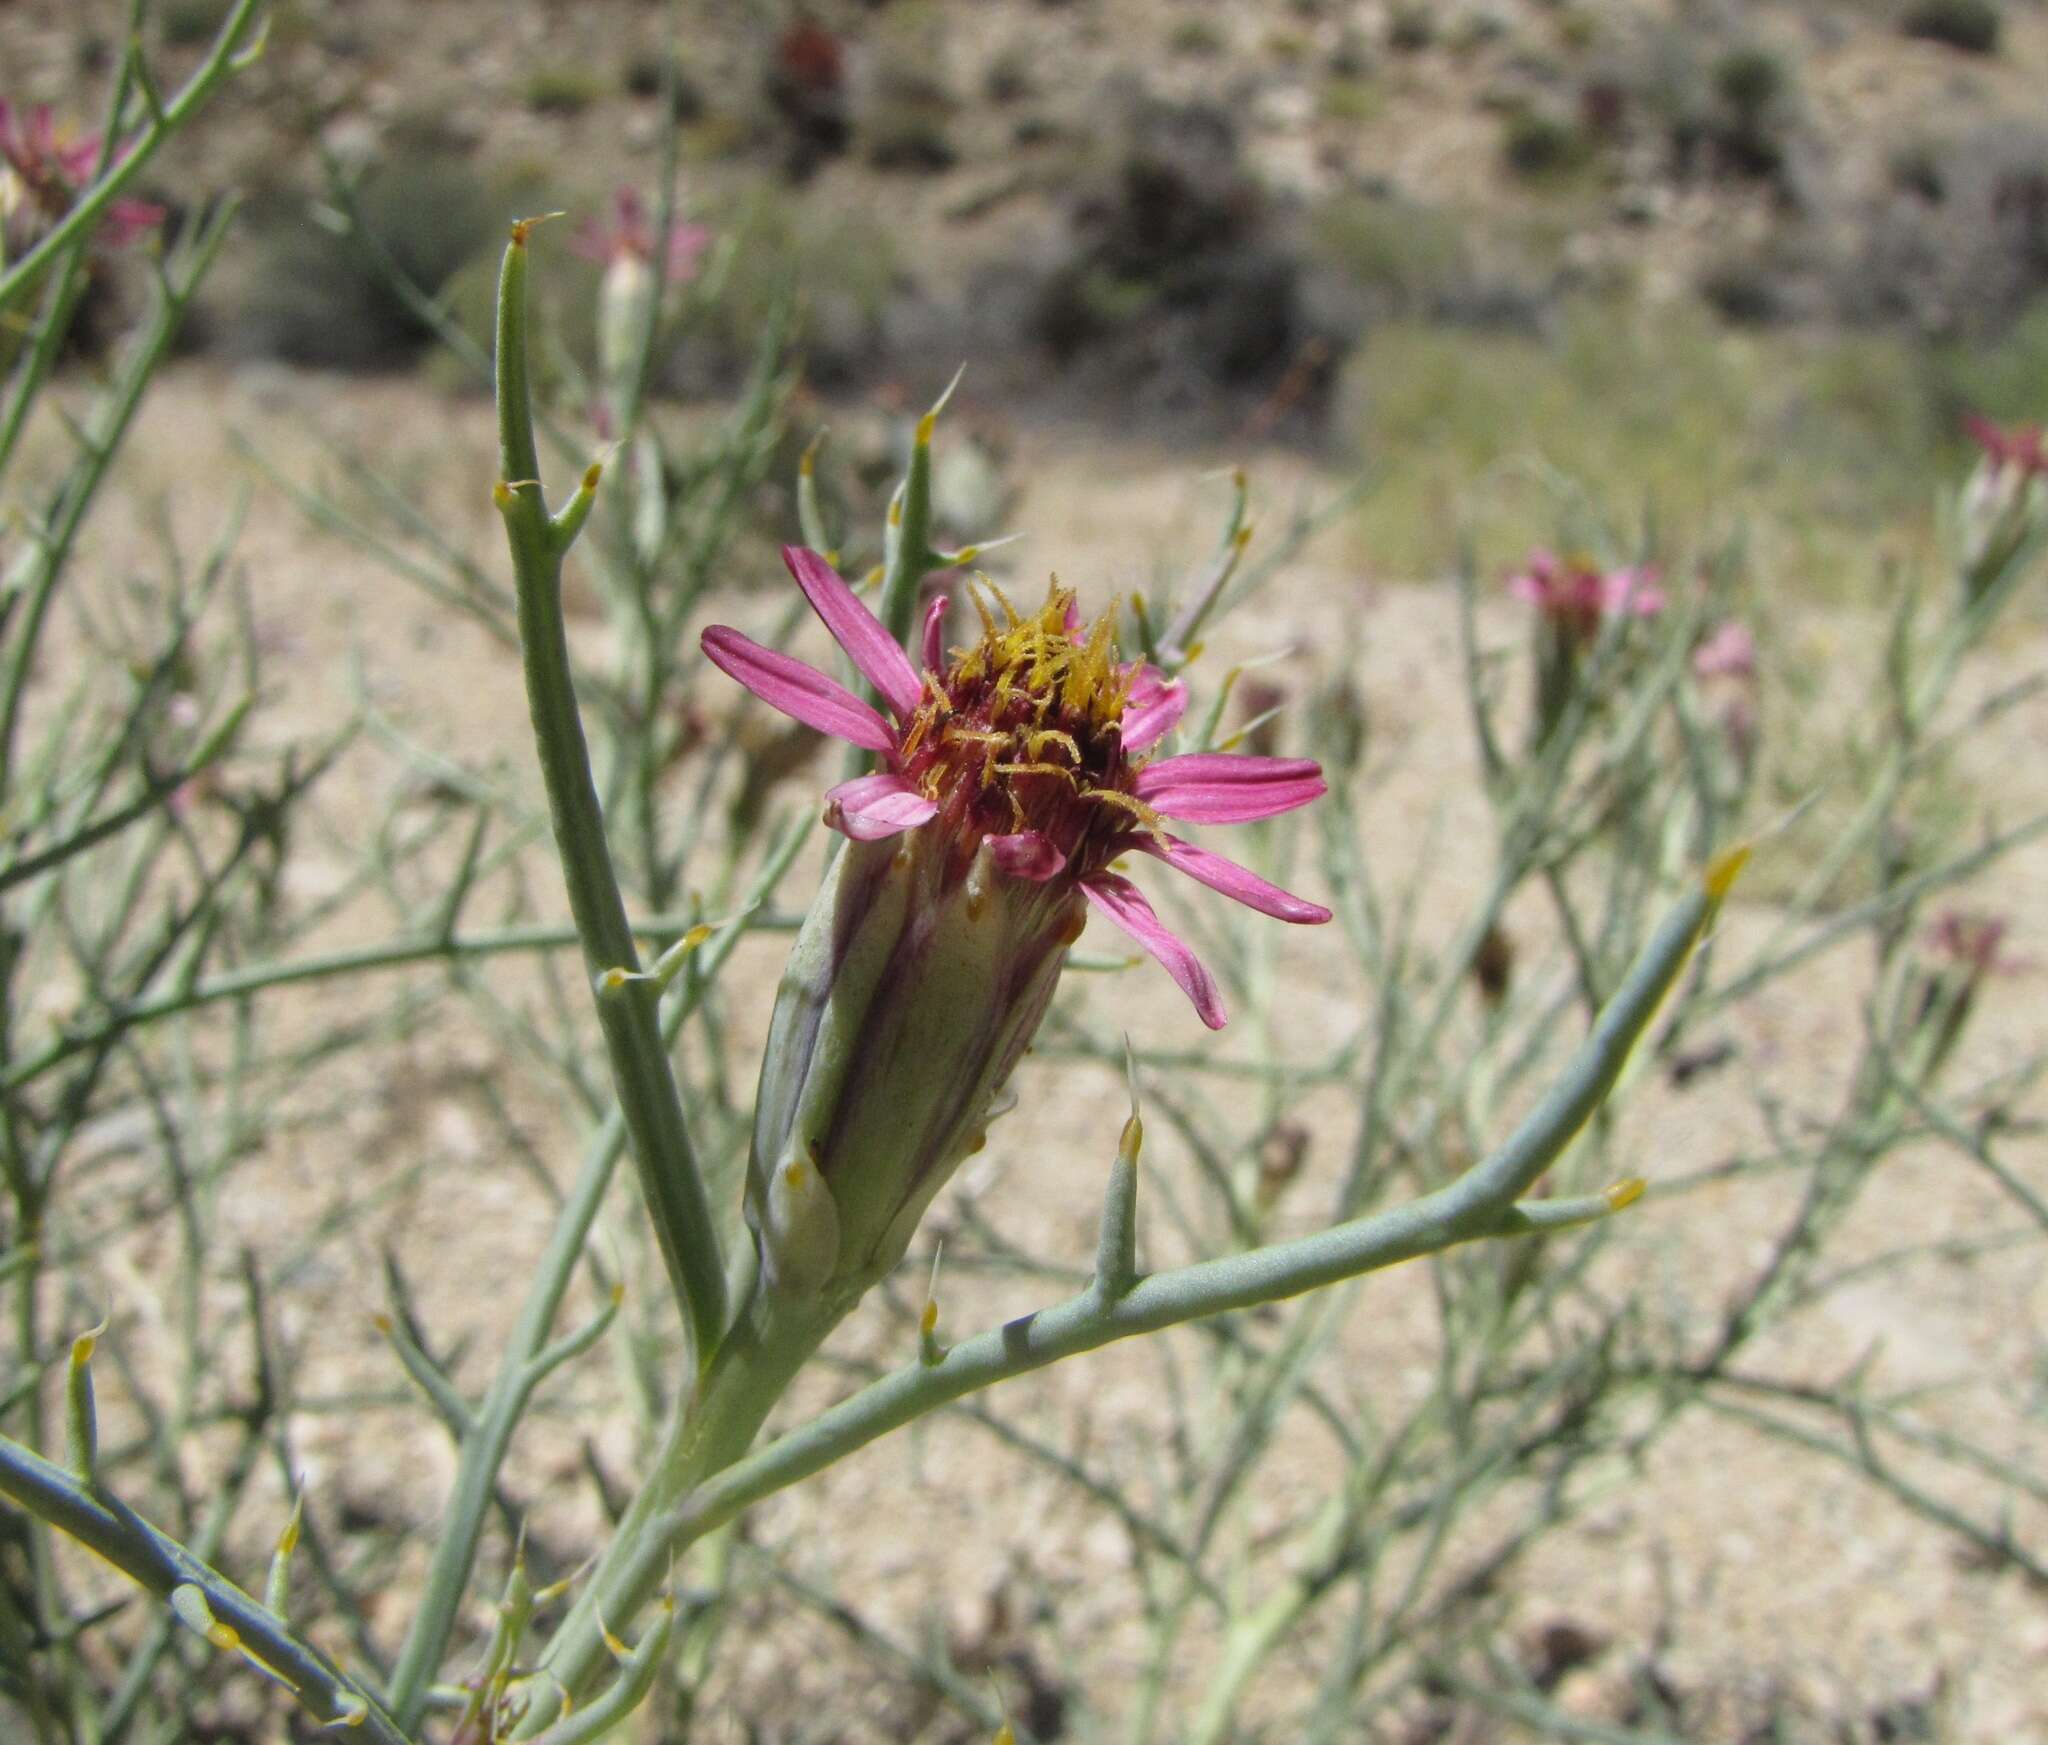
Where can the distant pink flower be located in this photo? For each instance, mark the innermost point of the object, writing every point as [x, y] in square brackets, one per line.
[52, 171]
[2002, 503]
[1730, 653]
[1578, 597]
[1974, 941]
[630, 234]
[1029, 743]
[2019, 448]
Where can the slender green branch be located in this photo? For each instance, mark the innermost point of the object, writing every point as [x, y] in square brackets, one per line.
[259, 978]
[154, 791]
[670, 1174]
[37, 570]
[228, 55]
[169, 1571]
[520, 1368]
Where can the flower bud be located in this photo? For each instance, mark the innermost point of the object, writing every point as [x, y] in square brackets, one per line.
[1963, 950]
[1574, 601]
[2002, 504]
[909, 997]
[625, 306]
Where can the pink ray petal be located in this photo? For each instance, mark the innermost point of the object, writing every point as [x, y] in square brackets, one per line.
[935, 635]
[857, 630]
[128, 219]
[1208, 787]
[785, 683]
[686, 246]
[1027, 855]
[1631, 591]
[1120, 900]
[869, 808]
[1233, 880]
[1153, 710]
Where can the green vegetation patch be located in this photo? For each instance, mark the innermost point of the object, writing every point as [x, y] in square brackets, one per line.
[1805, 441]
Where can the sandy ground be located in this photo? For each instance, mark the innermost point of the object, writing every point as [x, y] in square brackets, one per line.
[1742, 1568]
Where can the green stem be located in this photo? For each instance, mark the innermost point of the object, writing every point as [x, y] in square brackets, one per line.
[226, 56]
[39, 570]
[710, 1430]
[392, 954]
[483, 1452]
[162, 1565]
[670, 1175]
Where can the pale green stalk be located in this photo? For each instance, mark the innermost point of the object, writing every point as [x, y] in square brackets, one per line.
[652, 1107]
[522, 1367]
[165, 1568]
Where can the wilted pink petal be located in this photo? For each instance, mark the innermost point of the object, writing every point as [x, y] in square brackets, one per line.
[1575, 595]
[1729, 653]
[52, 173]
[1220, 788]
[1121, 901]
[686, 246]
[1026, 855]
[935, 635]
[1538, 583]
[787, 684]
[1632, 591]
[2023, 446]
[869, 808]
[1233, 880]
[128, 219]
[857, 630]
[1153, 709]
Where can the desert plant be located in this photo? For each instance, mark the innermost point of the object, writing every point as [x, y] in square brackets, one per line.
[1315, 1510]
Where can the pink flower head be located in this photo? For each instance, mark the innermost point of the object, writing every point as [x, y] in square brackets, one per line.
[1974, 942]
[1578, 597]
[53, 170]
[1730, 653]
[2019, 448]
[1029, 743]
[630, 235]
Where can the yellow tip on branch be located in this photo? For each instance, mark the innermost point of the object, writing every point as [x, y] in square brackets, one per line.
[1624, 1193]
[522, 228]
[1132, 1139]
[501, 494]
[925, 426]
[928, 1322]
[1724, 869]
[591, 474]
